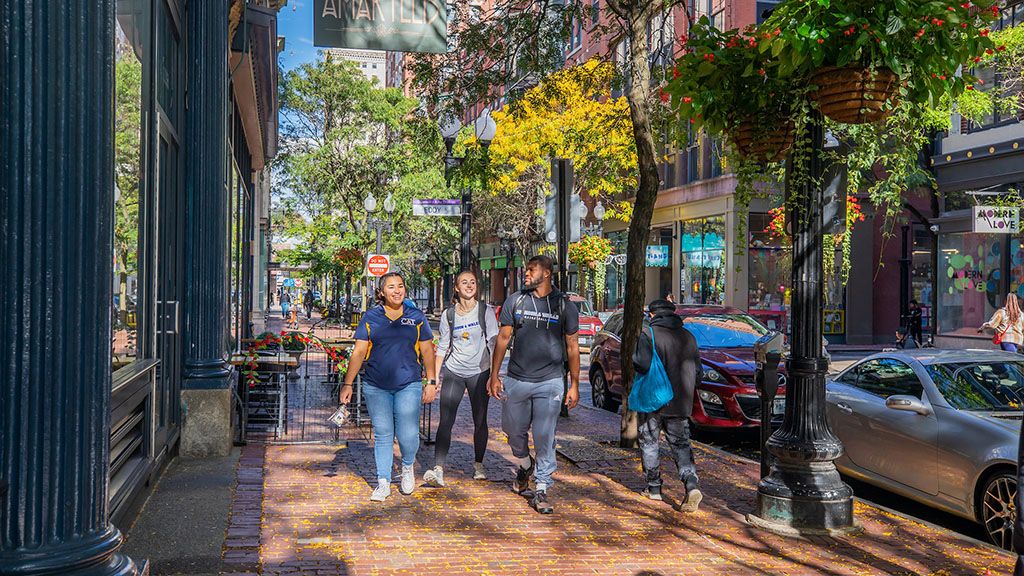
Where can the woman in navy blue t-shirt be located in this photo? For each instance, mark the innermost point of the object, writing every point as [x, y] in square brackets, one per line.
[391, 338]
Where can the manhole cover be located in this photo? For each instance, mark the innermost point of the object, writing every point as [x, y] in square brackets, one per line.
[580, 449]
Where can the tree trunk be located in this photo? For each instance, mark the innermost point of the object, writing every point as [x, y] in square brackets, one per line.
[638, 16]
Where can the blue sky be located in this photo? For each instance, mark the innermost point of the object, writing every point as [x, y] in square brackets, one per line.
[295, 23]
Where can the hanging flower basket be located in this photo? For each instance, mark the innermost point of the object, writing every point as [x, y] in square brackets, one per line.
[854, 94]
[770, 144]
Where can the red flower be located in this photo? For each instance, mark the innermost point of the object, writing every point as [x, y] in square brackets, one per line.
[687, 99]
[664, 97]
[985, 32]
[821, 40]
[1001, 48]
[989, 51]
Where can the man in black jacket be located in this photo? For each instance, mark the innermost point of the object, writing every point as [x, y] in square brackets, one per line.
[677, 349]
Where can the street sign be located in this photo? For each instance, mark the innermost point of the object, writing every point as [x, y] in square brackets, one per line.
[378, 264]
[436, 207]
[996, 220]
[298, 282]
[289, 283]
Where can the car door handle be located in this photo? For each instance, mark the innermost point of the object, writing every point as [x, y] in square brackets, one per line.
[844, 408]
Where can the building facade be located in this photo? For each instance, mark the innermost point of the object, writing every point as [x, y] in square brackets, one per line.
[372, 63]
[135, 207]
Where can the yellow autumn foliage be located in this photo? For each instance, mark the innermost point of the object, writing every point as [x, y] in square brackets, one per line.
[571, 114]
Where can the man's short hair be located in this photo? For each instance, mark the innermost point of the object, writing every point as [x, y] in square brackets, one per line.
[544, 261]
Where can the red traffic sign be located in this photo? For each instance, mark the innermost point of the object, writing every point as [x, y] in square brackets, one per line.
[378, 264]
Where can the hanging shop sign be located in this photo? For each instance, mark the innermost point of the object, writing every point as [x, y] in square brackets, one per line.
[996, 220]
[657, 256]
[399, 25]
[436, 207]
[378, 264]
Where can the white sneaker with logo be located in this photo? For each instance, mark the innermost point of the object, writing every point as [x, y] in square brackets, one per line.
[408, 480]
[381, 492]
[434, 476]
[478, 471]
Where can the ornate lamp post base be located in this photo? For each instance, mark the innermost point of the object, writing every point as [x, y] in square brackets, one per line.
[807, 500]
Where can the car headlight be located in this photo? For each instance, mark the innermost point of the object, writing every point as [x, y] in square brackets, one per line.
[712, 375]
[709, 397]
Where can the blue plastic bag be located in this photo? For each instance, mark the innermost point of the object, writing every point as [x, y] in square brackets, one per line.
[652, 390]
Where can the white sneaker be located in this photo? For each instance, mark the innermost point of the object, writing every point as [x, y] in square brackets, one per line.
[478, 471]
[408, 480]
[693, 499]
[381, 492]
[434, 476]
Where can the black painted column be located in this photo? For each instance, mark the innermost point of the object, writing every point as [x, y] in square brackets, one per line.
[56, 241]
[206, 173]
[804, 494]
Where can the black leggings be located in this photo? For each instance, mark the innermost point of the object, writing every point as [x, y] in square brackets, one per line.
[452, 389]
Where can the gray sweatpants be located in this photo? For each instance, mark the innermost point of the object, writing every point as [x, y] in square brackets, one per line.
[677, 431]
[536, 405]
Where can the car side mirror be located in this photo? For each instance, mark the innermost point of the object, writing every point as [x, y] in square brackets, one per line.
[907, 404]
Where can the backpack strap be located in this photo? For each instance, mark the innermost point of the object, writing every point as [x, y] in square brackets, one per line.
[450, 315]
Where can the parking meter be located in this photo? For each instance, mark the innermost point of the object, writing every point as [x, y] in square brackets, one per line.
[767, 355]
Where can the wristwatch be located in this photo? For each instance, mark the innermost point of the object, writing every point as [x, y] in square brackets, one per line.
[429, 383]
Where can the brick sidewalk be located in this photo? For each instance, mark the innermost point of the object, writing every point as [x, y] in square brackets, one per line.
[316, 518]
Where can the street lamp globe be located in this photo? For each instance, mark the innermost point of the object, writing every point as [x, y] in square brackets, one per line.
[449, 128]
[485, 127]
[370, 203]
[389, 204]
[599, 211]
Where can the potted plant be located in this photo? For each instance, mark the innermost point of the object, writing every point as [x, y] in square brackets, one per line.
[589, 255]
[723, 83]
[860, 58]
[294, 344]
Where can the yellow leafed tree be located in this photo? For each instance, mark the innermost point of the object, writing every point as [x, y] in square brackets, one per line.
[571, 114]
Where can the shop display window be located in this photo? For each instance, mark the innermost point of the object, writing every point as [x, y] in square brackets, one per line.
[702, 261]
[969, 280]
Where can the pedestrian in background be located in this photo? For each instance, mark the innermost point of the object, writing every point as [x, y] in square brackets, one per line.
[915, 322]
[1008, 325]
[390, 339]
[307, 302]
[286, 304]
[546, 325]
[467, 334]
[678, 347]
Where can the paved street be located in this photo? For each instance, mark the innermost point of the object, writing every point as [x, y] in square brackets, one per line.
[304, 509]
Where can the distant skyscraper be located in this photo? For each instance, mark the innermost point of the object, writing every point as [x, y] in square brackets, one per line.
[370, 62]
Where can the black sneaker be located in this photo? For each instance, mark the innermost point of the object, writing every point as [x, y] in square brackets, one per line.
[522, 482]
[540, 502]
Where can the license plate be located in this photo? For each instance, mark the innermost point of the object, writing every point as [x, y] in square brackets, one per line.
[779, 407]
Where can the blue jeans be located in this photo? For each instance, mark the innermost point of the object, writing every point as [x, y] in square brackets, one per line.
[536, 405]
[1009, 346]
[394, 412]
[284, 310]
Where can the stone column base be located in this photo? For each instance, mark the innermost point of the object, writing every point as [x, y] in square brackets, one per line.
[208, 428]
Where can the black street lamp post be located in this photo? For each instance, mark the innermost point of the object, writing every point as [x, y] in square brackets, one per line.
[507, 238]
[484, 128]
[804, 494]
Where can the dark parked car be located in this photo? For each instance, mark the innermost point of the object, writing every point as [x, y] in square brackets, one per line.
[725, 397]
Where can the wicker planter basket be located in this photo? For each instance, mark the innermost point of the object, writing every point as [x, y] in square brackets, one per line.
[854, 94]
[763, 146]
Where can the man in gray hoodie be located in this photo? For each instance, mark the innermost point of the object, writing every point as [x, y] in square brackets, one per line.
[677, 349]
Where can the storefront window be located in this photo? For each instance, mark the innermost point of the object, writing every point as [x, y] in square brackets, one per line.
[921, 275]
[702, 261]
[969, 286]
[770, 264]
[1017, 266]
[128, 181]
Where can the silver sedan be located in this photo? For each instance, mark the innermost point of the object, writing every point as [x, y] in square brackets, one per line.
[938, 426]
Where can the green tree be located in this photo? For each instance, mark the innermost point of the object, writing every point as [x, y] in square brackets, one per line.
[344, 139]
[127, 167]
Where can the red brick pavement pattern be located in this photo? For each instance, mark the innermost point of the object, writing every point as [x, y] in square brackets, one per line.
[317, 519]
[242, 542]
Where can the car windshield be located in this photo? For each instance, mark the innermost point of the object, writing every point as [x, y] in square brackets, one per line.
[980, 385]
[724, 330]
[583, 307]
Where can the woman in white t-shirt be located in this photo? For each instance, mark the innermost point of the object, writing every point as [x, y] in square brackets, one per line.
[467, 335]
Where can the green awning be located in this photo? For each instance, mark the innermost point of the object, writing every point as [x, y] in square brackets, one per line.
[500, 262]
[517, 262]
[485, 263]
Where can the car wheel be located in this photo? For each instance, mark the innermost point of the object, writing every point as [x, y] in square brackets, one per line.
[599, 392]
[998, 509]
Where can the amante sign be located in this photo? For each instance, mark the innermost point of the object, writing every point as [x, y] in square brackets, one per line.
[399, 25]
[996, 219]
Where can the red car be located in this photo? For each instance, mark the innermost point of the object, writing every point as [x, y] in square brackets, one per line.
[590, 324]
[725, 397]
